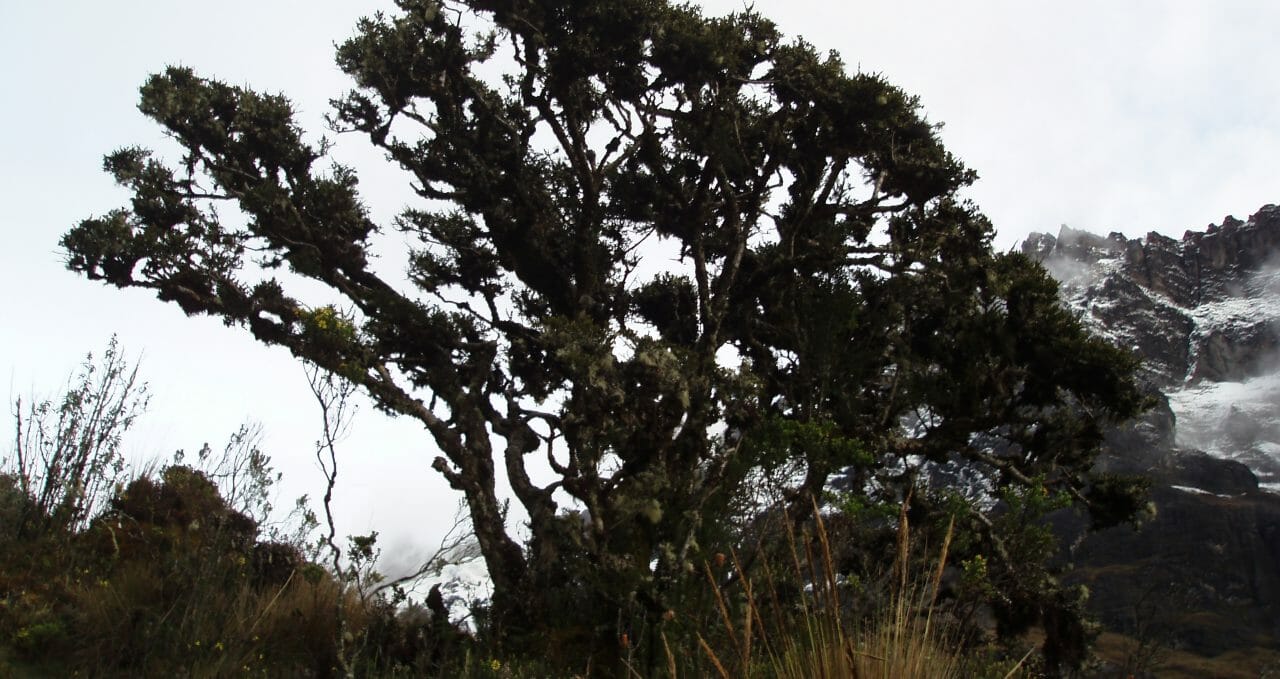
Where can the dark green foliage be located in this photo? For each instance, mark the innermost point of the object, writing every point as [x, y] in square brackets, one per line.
[644, 192]
[181, 513]
[172, 581]
[274, 563]
[1115, 499]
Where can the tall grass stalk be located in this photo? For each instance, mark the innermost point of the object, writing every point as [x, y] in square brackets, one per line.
[813, 640]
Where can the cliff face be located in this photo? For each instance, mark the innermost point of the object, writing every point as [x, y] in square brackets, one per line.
[1206, 307]
[1204, 314]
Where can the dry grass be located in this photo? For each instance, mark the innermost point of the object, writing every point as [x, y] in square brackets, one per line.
[763, 638]
[1249, 663]
[134, 620]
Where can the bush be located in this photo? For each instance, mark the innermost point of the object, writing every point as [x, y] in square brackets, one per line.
[66, 458]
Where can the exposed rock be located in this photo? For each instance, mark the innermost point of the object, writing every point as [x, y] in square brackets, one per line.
[1237, 353]
[1204, 307]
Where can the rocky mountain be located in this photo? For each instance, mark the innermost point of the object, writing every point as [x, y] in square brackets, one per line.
[1203, 311]
[1203, 575]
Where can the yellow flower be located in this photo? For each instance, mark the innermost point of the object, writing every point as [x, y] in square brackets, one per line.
[495, 664]
[218, 647]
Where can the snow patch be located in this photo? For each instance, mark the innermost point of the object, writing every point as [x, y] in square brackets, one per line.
[1200, 491]
[1233, 420]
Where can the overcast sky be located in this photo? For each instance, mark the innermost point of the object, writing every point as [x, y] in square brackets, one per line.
[1107, 116]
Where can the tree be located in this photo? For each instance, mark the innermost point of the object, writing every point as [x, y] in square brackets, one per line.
[662, 255]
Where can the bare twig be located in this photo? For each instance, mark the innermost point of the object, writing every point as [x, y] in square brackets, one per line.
[332, 394]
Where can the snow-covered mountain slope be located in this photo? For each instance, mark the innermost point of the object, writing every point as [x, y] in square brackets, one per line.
[1203, 312]
[1233, 420]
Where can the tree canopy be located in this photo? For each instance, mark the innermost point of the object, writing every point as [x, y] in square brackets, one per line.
[660, 263]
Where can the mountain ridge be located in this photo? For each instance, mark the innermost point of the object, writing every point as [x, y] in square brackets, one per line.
[1203, 287]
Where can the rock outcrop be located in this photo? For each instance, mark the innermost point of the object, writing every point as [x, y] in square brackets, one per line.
[1206, 307]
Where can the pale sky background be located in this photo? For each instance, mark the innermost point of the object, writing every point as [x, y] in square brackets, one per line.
[1127, 116]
